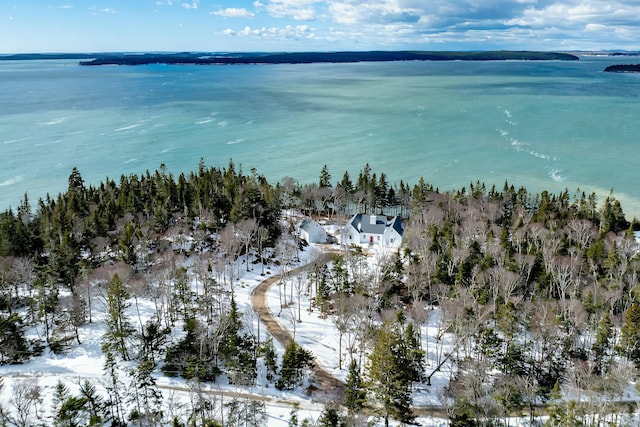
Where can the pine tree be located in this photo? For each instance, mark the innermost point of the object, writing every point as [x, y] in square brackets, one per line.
[414, 353]
[192, 357]
[14, 347]
[355, 393]
[60, 396]
[127, 244]
[325, 178]
[148, 398]
[294, 362]
[94, 403]
[114, 388]
[331, 418]
[601, 345]
[238, 348]
[391, 373]
[630, 331]
[119, 330]
[270, 358]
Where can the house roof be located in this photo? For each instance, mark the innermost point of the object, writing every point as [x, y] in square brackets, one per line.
[308, 224]
[375, 224]
[396, 224]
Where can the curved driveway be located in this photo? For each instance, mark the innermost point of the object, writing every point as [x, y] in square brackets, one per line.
[327, 383]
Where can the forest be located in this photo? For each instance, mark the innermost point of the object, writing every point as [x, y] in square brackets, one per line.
[202, 58]
[538, 295]
[623, 68]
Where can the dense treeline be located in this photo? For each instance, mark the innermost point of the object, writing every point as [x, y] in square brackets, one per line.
[200, 58]
[534, 287]
[539, 292]
[623, 68]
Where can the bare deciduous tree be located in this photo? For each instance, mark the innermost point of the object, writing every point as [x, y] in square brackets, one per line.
[26, 399]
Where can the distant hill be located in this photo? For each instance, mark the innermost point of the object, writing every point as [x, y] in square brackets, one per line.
[320, 57]
[42, 56]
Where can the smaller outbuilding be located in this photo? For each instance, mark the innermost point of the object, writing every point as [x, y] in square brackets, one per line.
[312, 232]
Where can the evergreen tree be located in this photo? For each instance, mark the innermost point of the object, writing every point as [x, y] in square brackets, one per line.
[346, 184]
[114, 388]
[391, 372]
[612, 217]
[331, 418]
[94, 403]
[119, 329]
[270, 358]
[238, 348]
[152, 340]
[192, 357]
[294, 362]
[127, 244]
[60, 396]
[630, 334]
[325, 178]
[14, 347]
[322, 289]
[355, 392]
[147, 396]
[602, 343]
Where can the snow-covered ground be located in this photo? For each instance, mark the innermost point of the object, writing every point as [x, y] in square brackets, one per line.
[313, 331]
[317, 334]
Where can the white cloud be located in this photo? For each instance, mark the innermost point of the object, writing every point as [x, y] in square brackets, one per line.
[65, 6]
[348, 12]
[457, 24]
[192, 5]
[289, 32]
[344, 13]
[299, 10]
[233, 12]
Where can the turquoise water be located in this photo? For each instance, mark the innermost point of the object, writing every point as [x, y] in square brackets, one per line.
[543, 125]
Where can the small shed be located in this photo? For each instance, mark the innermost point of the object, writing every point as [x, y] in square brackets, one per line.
[312, 232]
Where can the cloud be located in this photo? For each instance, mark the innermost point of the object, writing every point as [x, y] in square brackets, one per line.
[232, 12]
[381, 12]
[459, 24]
[65, 6]
[299, 10]
[593, 13]
[289, 32]
[485, 23]
[192, 5]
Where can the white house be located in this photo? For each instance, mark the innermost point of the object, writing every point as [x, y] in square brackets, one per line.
[373, 230]
[311, 231]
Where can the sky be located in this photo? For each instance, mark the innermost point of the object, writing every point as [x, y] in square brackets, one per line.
[326, 25]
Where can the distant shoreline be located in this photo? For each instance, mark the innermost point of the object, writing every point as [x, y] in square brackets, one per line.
[230, 58]
[321, 57]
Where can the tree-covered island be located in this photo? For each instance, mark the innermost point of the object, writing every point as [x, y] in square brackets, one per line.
[199, 58]
[499, 303]
[623, 68]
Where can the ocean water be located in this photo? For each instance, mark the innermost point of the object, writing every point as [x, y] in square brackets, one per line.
[543, 125]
